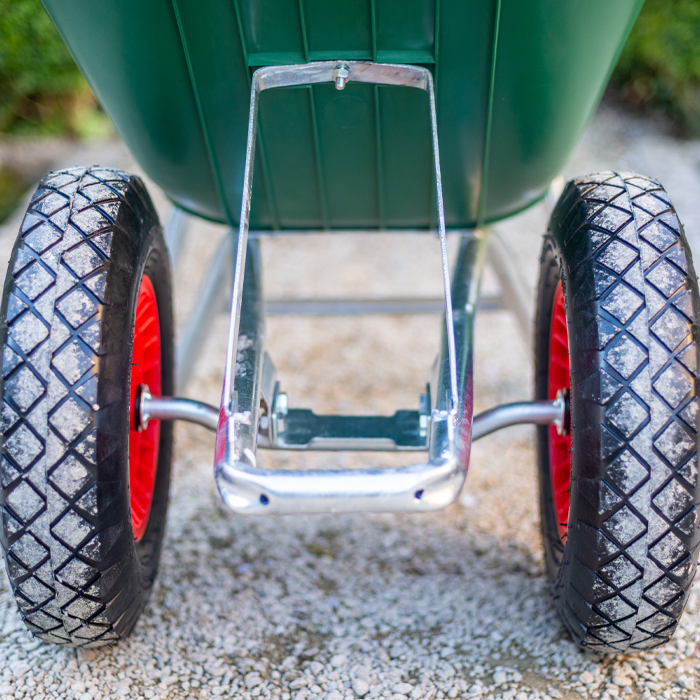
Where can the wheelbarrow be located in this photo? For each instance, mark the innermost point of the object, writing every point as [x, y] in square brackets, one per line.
[425, 116]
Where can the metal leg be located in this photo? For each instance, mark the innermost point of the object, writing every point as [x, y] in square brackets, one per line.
[425, 486]
[516, 298]
[174, 232]
[215, 288]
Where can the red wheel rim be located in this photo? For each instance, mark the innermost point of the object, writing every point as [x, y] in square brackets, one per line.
[559, 379]
[143, 445]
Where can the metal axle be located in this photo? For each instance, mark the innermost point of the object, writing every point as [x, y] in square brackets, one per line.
[522, 412]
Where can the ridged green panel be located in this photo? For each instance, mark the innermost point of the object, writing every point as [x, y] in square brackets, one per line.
[405, 25]
[544, 99]
[130, 53]
[174, 75]
[338, 28]
[272, 31]
[294, 179]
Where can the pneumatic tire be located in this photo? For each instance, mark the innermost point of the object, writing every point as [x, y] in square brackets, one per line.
[84, 495]
[617, 290]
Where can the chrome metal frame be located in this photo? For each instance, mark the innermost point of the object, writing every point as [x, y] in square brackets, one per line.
[255, 413]
[364, 307]
[426, 486]
[515, 297]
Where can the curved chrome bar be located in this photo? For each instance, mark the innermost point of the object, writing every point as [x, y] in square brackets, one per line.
[485, 423]
[419, 487]
[175, 408]
[538, 412]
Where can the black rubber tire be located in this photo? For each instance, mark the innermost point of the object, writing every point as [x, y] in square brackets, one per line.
[622, 579]
[66, 326]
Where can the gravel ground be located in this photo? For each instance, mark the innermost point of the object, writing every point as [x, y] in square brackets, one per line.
[449, 604]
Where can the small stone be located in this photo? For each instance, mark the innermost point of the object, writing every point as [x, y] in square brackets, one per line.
[7, 689]
[500, 677]
[298, 683]
[360, 687]
[338, 660]
[252, 679]
[19, 668]
[316, 668]
[586, 677]
[403, 688]
[334, 695]
[86, 696]
[621, 681]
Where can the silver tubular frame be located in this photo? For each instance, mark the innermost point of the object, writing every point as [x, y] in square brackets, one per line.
[366, 307]
[420, 487]
[323, 72]
[208, 304]
[174, 233]
[515, 297]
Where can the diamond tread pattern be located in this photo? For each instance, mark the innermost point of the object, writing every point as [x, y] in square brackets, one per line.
[631, 552]
[50, 362]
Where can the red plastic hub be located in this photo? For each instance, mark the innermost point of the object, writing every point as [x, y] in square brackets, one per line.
[145, 369]
[559, 379]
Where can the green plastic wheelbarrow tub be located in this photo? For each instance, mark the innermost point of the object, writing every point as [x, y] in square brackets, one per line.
[516, 81]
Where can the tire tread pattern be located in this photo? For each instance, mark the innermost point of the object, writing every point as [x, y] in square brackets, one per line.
[53, 349]
[632, 548]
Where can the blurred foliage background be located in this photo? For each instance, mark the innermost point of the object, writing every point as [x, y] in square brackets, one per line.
[41, 90]
[660, 64]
